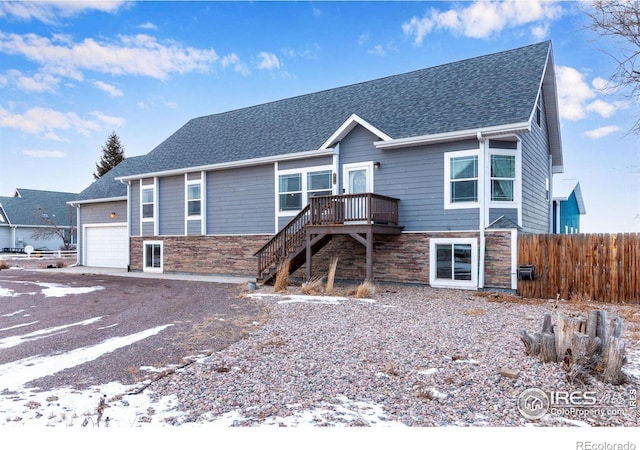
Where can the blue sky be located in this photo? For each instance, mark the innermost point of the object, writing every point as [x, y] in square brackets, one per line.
[73, 72]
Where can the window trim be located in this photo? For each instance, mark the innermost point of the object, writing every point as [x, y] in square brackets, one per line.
[144, 257]
[517, 180]
[152, 188]
[188, 184]
[457, 284]
[448, 156]
[304, 173]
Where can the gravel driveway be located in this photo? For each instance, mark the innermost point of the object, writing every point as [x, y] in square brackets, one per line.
[50, 313]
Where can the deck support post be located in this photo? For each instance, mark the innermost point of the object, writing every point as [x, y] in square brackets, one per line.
[369, 256]
[308, 259]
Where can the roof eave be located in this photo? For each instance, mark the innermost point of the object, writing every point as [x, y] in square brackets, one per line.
[232, 164]
[483, 132]
[97, 200]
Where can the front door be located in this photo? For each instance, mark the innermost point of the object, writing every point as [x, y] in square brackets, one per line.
[357, 179]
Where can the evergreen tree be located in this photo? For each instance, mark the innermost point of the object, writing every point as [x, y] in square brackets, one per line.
[112, 155]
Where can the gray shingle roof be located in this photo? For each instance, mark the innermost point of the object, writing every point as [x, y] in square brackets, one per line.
[491, 90]
[25, 209]
[107, 186]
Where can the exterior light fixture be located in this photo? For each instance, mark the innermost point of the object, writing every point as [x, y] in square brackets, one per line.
[376, 165]
[113, 215]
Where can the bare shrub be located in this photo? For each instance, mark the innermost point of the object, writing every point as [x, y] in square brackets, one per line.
[333, 265]
[3, 264]
[282, 278]
[313, 286]
[365, 289]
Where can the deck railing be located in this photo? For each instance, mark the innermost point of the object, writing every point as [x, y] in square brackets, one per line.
[351, 209]
[345, 209]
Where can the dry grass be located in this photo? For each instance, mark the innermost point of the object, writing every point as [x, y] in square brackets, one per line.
[475, 312]
[282, 278]
[365, 290]
[314, 286]
[3, 264]
[333, 265]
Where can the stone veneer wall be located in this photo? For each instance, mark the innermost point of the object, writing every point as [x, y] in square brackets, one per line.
[403, 258]
[497, 273]
[231, 255]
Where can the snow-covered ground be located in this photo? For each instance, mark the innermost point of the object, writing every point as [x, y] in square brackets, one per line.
[111, 405]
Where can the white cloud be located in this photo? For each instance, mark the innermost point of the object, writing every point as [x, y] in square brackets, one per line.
[377, 50]
[108, 88]
[46, 122]
[130, 55]
[573, 93]
[605, 109]
[108, 120]
[40, 82]
[482, 19]
[577, 98]
[49, 11]
[234, 60]
[148, 26]
[268, 61]
[44, 153]
[606, 86]
[363, 38]
[602, 131]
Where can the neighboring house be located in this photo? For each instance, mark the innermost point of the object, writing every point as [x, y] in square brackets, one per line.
[568, 206]
[29, 213]
[422, 177]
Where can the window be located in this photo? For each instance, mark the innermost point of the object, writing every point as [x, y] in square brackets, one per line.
[194, 199]
[147, 203]
[296, 187]
[454, 262]
[291, 192]
[539, 110]
[503, 175]
[152, 256]
[461, 179]
[319, 183]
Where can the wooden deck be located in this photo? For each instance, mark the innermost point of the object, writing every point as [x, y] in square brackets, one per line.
[360, 216]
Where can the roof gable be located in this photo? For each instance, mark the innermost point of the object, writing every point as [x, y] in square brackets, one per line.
[562, 190]
[484, 92]
[107, 187]
[27, 206]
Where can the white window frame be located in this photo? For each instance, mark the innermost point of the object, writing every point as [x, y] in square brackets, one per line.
[448, 156]
[346, 168]
[456, 284]
[144, 257]
[152, 188]
[188, 184]
[517, 181]
[304, 181]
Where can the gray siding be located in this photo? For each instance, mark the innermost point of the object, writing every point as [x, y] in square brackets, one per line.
[5, 237]
[304, 163]
[171, 205]
[415, 176]
[193, 227]
[101, 212]
[241, 201]
[509, 213]
[535, 172]
[134, 209]
[147, 229]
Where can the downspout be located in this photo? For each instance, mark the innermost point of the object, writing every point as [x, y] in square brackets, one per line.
[481, 212]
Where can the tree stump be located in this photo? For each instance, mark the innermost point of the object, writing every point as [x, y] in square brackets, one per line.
[584, 345]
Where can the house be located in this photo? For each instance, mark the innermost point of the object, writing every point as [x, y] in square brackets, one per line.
[568, 206]
[421, 177]
[29, 216]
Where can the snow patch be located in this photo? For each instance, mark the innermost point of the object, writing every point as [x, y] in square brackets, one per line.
[60, 290]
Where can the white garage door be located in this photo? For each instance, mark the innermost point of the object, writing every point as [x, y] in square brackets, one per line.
[107, 246]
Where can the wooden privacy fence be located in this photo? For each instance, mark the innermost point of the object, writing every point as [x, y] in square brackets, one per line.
[599, 267]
